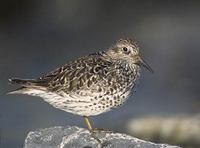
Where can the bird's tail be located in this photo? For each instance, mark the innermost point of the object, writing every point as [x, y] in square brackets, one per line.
[26, 84]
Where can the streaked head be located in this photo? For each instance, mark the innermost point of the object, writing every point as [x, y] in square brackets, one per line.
[127, 50]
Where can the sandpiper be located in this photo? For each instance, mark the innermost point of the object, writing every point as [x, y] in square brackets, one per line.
[92, 84]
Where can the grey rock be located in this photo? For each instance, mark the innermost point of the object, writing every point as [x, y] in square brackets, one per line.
[75, 137]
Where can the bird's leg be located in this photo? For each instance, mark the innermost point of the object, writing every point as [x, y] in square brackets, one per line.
[90, 128]
[87, 122]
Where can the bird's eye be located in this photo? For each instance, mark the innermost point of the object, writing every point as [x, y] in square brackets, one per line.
[125, 50]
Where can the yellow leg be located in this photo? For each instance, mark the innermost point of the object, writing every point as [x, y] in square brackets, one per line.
[89, 126]
[87, 122]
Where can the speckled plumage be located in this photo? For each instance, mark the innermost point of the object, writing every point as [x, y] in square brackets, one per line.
[92, 84]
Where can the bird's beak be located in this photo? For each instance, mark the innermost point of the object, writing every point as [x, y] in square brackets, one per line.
[141, 62]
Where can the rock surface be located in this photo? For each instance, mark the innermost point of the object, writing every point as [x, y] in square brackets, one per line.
[75, 137]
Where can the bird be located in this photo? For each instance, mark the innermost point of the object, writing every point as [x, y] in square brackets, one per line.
[92, 84]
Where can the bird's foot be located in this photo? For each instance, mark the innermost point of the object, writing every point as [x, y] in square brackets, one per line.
[94, 135]
[96, 130]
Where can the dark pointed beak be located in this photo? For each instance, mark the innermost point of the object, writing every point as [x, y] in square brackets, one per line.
[141, 62]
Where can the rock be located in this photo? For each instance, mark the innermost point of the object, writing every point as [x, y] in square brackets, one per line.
[75, 137]
[181, 130]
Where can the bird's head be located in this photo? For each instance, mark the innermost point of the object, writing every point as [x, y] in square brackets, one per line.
[127, 50]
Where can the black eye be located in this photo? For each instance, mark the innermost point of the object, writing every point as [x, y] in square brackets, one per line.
[125, 50]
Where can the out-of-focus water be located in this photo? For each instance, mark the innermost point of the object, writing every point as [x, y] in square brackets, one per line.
[38, 36]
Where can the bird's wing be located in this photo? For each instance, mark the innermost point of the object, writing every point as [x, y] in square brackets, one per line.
[78, 75]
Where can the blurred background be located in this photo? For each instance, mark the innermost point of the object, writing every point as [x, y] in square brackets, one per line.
[37, 36]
